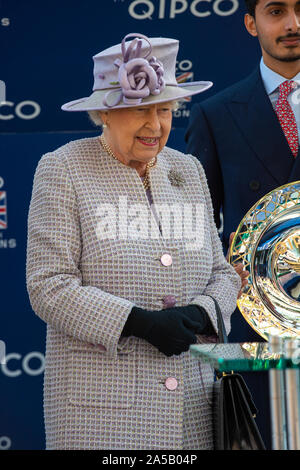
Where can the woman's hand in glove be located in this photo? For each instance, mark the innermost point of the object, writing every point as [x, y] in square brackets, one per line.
[171, 330]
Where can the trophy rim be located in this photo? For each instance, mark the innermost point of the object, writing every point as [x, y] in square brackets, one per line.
[250, 299]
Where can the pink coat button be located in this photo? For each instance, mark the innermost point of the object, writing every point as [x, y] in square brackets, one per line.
[171, 383]
[169, 301]
[166, 259]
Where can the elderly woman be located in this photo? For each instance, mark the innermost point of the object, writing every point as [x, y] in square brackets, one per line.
[123, 261]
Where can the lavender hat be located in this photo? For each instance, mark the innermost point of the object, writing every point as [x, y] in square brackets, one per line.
[140, 71]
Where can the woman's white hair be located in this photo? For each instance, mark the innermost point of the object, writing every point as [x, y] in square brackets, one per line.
[95, 117]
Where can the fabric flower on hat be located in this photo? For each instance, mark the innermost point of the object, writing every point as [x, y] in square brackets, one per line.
[138, 76]
[138, 80]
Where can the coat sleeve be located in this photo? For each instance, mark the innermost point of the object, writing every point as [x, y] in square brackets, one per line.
[201, 144]
[53, 277]
[224, 283]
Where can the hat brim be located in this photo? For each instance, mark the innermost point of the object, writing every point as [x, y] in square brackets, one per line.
[170, 93]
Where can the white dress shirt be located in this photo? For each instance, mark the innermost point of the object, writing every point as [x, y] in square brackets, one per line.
[272, 80]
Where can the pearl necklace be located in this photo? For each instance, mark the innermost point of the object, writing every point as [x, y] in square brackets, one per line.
[151, 164]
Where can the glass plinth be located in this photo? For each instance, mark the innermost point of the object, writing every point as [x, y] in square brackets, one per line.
[249, 356]
[281, 358]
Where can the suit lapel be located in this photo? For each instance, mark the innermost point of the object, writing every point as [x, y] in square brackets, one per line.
[254, 115]
[295, 173]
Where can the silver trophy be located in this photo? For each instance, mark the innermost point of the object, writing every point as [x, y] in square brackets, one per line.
[267, 243]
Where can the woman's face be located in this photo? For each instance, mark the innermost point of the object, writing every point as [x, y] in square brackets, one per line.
[137, 135]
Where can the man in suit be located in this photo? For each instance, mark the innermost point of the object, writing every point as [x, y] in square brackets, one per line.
[247, 136]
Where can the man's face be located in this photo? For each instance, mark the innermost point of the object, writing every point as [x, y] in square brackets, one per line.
[277, 26]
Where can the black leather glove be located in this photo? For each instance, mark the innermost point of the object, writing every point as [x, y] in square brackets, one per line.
[171, 330]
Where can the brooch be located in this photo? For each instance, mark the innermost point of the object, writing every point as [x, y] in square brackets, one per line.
[175, 178]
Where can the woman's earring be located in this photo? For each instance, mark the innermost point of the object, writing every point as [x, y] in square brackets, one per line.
[104, 126]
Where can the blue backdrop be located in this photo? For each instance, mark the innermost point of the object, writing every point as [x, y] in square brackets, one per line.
[46, 51]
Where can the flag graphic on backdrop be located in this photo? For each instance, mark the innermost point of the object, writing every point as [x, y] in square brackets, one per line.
[183, 78]
[3, 210]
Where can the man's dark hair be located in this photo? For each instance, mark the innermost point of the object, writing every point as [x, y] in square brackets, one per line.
[250, 5]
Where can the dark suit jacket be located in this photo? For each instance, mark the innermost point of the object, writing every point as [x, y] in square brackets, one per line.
[238, 139]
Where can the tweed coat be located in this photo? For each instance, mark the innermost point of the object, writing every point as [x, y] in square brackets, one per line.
[101, 390]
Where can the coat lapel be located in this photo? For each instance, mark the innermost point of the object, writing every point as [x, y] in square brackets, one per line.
[295, 173]
[254, 115]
